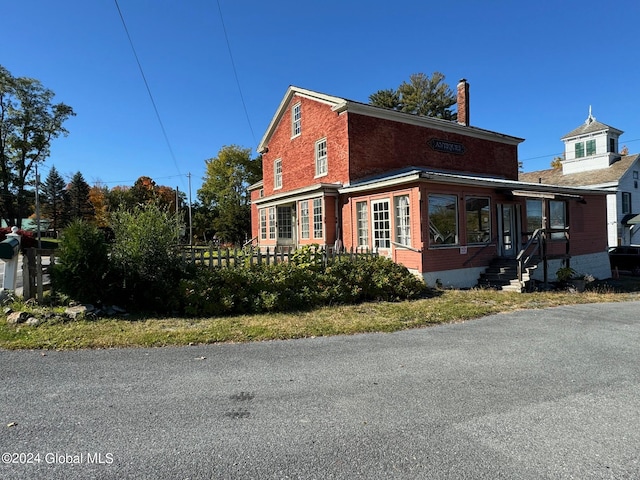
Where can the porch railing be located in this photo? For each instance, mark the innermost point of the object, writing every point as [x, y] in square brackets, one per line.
[535, 251]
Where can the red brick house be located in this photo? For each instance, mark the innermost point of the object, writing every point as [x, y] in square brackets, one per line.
[441, 197]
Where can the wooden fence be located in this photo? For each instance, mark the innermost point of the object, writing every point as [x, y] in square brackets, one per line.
[36, 264]
[228, 257]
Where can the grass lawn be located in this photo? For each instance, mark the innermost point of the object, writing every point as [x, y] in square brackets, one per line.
[444, 306]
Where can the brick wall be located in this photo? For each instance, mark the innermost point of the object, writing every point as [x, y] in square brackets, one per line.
[298, 154]
[379, 145]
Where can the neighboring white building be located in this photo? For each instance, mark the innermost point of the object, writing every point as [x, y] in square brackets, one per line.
[591, 158]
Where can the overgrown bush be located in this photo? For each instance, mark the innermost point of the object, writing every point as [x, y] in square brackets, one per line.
[83, 268]
[144, 259]
[297, 285]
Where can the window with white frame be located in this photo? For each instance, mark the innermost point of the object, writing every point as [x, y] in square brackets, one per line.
[403, 228]
[317, 218]
[277, 174]
[443, 220]
[362, 221]
[272, 223]
[263, 224]
[321, 157]
[478, 217]
[304, 219]
[381, 224]
[626, 202]
[296, 117]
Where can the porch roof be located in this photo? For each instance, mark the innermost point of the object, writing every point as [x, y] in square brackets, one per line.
[631, 219]
[416, 174]
[300, 193]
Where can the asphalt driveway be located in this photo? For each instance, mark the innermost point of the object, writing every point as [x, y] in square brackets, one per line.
[548, 394]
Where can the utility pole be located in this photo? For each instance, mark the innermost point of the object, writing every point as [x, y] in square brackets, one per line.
[38, 207]
[190, 223]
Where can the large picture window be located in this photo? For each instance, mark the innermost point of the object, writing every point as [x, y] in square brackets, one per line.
[443, 219]
[403, 228]
[381, 224]
[478, 216]
[362, 213]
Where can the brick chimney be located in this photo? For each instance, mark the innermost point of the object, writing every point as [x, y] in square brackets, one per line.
[463, 102]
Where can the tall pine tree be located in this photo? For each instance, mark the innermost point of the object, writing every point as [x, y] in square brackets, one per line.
[54, 200]
[80, 206]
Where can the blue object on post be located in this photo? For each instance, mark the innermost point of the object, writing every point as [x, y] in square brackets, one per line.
[9, 248]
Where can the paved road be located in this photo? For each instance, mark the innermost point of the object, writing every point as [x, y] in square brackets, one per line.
[549, 394]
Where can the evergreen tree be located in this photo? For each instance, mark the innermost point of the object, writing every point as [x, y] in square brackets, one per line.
[54, 199]
[79, 203]
[421, 95]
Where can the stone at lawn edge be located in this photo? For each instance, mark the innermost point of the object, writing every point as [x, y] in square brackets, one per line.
[17, 317]
[78, 310]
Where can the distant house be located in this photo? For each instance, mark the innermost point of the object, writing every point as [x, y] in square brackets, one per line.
[441, 197]
[592, 159]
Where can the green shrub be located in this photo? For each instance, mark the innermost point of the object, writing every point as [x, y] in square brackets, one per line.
[144, 259]
[297, 285]
[82, 271]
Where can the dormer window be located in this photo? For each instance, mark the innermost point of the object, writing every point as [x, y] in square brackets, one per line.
[587, 148]
[296, 116]
[591, 147]
[579, 150]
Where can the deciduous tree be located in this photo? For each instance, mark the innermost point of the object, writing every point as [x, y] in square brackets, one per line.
[225, 188]
[29, 121]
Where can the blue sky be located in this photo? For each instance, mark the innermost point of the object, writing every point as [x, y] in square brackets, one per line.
[534, 69]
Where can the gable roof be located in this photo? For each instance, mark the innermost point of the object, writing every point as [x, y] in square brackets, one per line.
[602, 176]
[340, 105]
[591, 125]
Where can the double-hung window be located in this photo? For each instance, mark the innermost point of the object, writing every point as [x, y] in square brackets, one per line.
[381, 224]
[626, 202]
[590, 147]
[321, 157]
[304, 219]
[579, 149]
[296, 117]
[317, 218]
[362, 220]
[272, 223]
[263, 224]
[443, 220]
[403, 229]
[277, 174]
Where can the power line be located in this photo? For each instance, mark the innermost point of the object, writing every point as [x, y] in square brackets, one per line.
[144, 78]
[235, 73]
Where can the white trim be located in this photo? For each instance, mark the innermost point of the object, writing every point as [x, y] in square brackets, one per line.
[320, 189]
